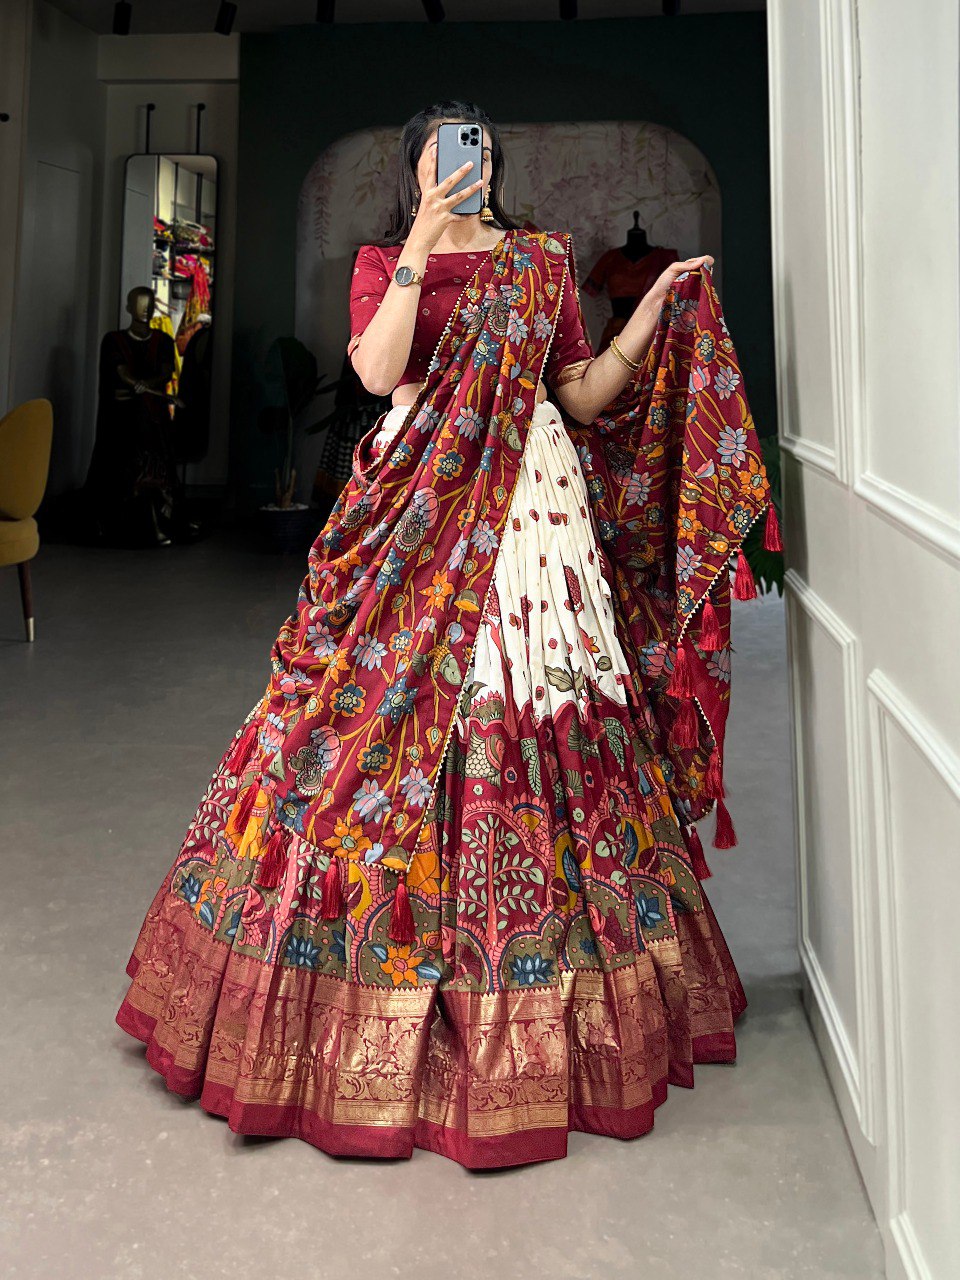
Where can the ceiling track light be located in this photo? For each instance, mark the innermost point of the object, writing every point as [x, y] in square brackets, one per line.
[122, 17]
[568, 9]
[225, 16]
[671, 8]
[434, 10]
[325, 10]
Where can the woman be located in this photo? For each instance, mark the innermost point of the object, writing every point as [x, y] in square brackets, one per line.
[443, 890]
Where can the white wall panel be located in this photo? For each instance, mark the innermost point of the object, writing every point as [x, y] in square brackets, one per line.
[872, 530]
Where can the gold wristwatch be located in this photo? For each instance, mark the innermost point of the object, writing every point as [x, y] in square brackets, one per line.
[407, 275]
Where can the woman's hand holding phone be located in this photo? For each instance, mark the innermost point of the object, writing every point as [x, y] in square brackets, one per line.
[435, 210]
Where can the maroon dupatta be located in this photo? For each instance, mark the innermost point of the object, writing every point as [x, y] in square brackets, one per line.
[367, 672]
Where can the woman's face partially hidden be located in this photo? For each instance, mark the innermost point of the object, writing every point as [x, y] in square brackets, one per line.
[427, 165]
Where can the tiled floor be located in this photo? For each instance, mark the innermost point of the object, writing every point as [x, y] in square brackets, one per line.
[144, 664]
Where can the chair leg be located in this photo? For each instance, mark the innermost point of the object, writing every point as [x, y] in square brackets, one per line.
[26, 596]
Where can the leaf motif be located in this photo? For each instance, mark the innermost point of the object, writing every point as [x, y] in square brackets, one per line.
[450, 670]
[571, 870]
[530, 752]
[616, 736]
[560, 678]
[579, 742]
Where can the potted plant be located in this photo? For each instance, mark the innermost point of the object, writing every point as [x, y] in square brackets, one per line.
[294, 383]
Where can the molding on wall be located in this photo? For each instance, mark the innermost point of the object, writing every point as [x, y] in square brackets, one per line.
[856, 1066]
[910, 514]
[840, 68]
[825, 458]
[809, 452]
[888, 706]
[839, 73]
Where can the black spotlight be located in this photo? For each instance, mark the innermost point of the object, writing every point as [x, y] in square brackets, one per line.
[434, 10]
[671, 8]
[225, 16]
[325, 10]
[568, 8]
[122, 15]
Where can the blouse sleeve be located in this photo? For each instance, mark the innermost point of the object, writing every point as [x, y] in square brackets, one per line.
[368, 284]
[570, 351]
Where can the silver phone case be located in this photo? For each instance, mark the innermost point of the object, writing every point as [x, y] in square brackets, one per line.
[455, 149]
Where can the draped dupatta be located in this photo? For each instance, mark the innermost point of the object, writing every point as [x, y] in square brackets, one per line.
[367, 672]
[675, 473]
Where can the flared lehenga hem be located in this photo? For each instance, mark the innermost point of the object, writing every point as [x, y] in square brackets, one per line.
[369, 1100]
[566, 965]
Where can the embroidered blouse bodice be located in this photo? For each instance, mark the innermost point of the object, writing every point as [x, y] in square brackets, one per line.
[444, 278]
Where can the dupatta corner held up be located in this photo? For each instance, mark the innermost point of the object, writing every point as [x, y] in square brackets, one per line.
[368, 670]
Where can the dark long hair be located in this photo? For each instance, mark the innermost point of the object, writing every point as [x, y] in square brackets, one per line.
[412, 141]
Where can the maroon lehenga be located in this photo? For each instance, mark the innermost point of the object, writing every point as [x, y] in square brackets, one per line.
[546, 961]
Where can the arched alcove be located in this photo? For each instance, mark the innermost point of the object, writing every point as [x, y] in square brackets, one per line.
[586, 178]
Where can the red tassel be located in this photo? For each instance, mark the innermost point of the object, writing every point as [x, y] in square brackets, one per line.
[245, 807]
[713, 779]
[241, 747]
[685, 724]
[331, 903]
[402, 928]
[273, 862]
[744, 587]
[724, 837]
[697, 859]
[772, 541]
[710, 637]
[680, 686]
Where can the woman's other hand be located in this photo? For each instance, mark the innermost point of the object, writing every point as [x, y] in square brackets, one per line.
[665, 281]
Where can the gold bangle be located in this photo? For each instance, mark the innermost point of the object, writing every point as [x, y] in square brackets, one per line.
[632, 365]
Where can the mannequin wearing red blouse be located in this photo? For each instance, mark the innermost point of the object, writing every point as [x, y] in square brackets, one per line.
[626, 281]
[445, 277]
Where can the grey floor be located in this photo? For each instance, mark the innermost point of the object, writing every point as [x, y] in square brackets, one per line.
[144, 664]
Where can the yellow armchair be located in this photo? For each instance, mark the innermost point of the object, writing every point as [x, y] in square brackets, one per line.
[26, 436]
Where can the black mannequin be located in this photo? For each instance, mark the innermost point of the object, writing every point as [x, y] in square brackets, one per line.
[637, 244]
[132, 480]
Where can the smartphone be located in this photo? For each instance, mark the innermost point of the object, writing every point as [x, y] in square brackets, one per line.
[456, 144]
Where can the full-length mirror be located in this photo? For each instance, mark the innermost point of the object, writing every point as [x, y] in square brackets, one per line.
[169, 252]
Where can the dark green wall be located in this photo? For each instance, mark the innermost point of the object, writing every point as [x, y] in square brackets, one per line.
[300, 90]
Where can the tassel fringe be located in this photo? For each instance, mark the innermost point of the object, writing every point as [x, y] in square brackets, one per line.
[710, 638]
[402, 928]
[331, 902]
[744, 586]
[680, 686]
[713, 779]
[245, 807]
[724, 837]
[772, 539]
[273, 863]
[685, 724]
[697, 859]
[241, 747]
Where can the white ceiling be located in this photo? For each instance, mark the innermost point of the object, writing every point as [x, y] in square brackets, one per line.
[168, 16]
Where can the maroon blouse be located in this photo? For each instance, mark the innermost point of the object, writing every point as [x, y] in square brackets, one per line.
[444, 279]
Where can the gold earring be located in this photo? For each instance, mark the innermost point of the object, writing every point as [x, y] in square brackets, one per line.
[486, 213]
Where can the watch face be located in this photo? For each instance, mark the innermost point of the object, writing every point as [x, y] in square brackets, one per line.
[403, 275]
